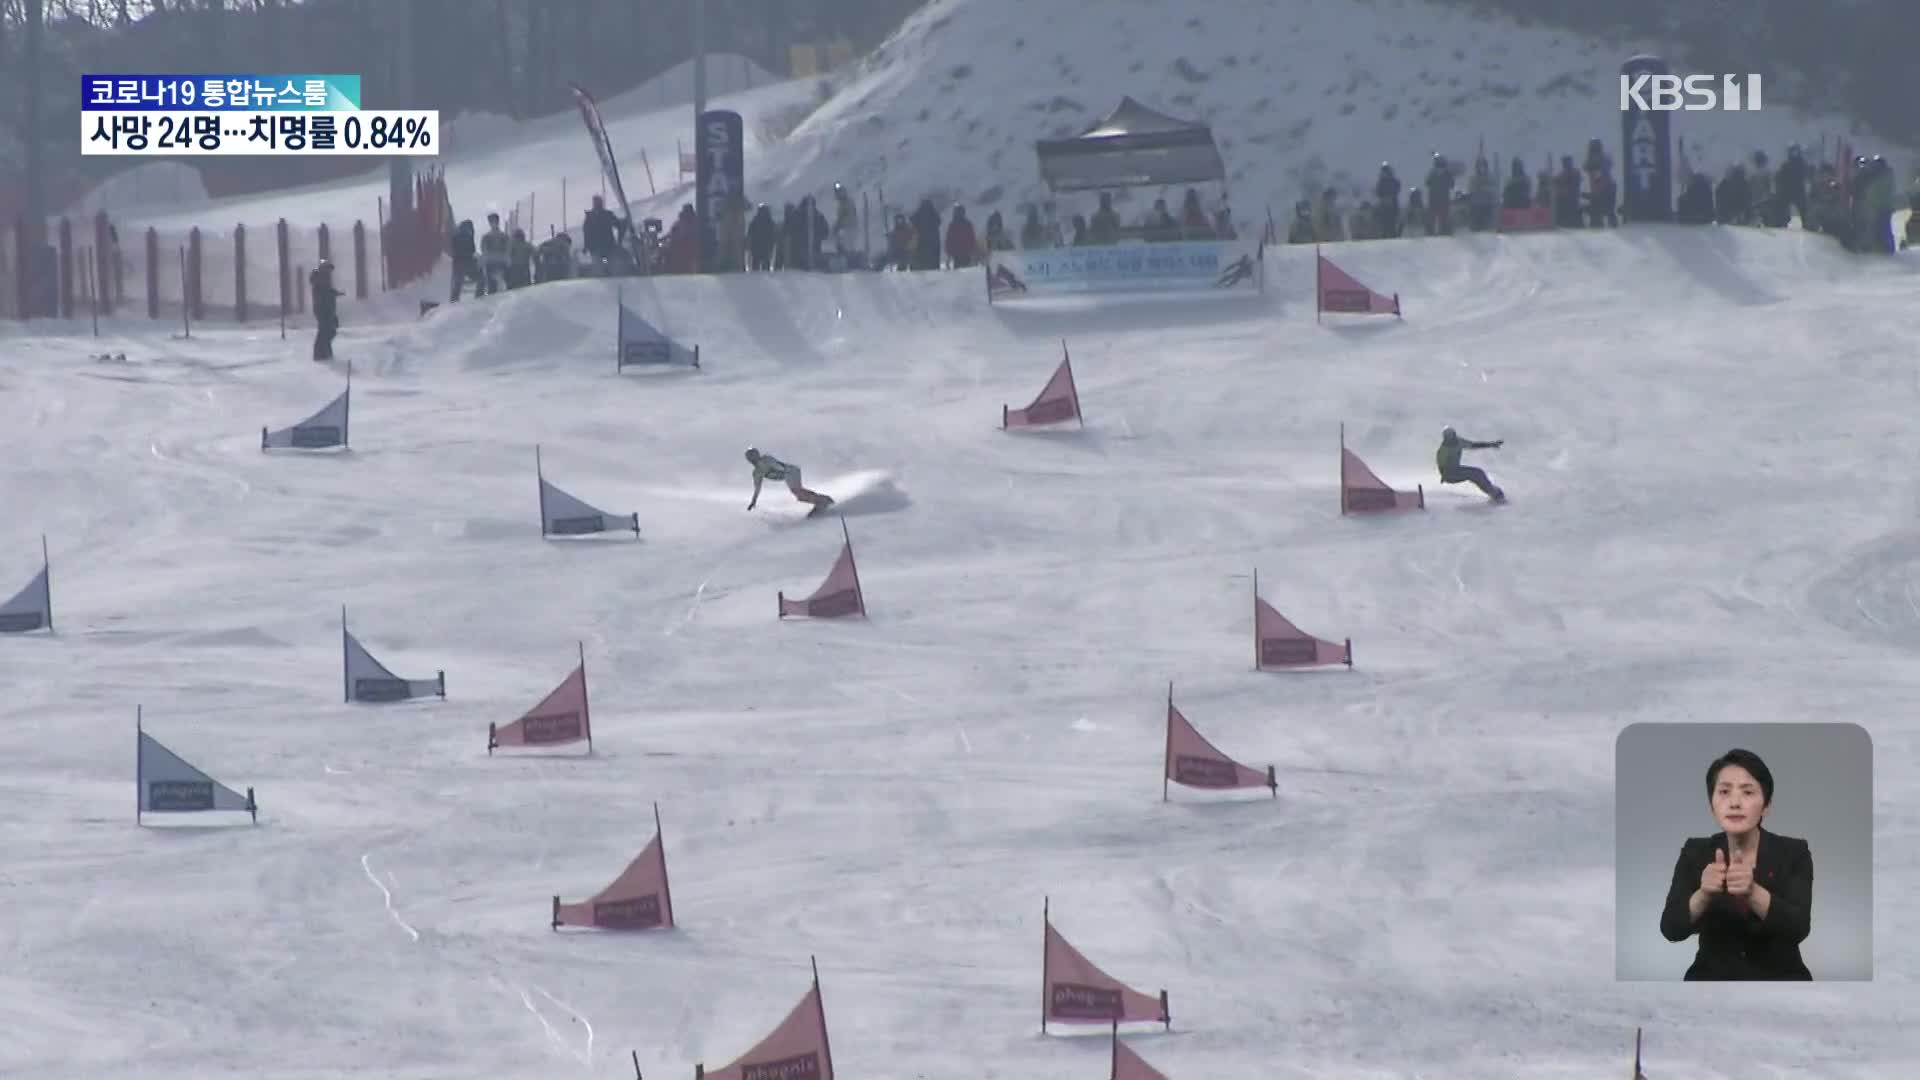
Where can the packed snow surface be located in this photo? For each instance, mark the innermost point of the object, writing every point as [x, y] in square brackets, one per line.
[1706, 437]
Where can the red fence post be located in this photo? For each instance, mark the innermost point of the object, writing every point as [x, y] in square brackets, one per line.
[240, 273]
[326, 242]
[300, 295]
[359, 260]
[66, 269]
[153, 273]
[285, 263]
[103, 263]
[190, 287]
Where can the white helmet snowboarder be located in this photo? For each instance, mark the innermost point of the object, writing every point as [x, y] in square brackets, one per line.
[767, 467]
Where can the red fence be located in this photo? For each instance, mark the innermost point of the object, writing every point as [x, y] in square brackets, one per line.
[245, 273]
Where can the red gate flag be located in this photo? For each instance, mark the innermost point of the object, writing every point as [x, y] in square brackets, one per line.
[1363, 492]
[1074, 991]
[561, 717]
[1059, 400]
[1340, 293]
[838, 596]
[1195, 762]
[796, 1050]
[639, 899]
[1277, 643]
[1128, 1065]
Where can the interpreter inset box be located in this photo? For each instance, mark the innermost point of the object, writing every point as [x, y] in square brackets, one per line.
[1718, 829]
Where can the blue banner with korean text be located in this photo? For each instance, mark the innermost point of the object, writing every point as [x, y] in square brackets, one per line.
[1139, 266]
[220, 93]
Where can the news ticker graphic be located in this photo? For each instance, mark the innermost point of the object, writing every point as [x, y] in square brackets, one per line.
[224, 93]
[376, 133]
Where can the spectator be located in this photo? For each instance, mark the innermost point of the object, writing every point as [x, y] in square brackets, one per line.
[1033, 234]
[900, 244]
[1194, 223]
[1301, 230]
[683, 242]
[1416, 221]
[1223, 223]
[963, 245]
[997, 238]
[600, 233]
[1386, 202]
[1105, 226]
[1566, 195]
[1329, 224]
[1790, 188]
[1360, 223]
[1760, 189]
[555, 261]
[519, 261]
[1733, 199]
[1696, 202]
[1519, 191]
[763, 236]
[466, 261]
[1439, 186]
[733, 235]
[1603, 197]
[493, 255]
[926, 236]
[1158, 226]
[1480, 196]
[846, 224]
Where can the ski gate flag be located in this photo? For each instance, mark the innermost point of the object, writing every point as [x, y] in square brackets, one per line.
[602, 146]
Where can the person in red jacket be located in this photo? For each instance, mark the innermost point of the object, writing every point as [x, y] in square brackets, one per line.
[683, 243]
[963, 247]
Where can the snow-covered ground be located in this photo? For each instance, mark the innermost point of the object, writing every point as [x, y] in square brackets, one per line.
[1706, 436]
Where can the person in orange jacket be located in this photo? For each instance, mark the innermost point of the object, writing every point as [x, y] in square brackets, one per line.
[683, 243]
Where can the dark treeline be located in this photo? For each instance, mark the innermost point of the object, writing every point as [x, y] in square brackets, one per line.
[513, 57]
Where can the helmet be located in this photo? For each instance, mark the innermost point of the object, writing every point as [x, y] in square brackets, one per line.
[752, 454]
[1447, 435]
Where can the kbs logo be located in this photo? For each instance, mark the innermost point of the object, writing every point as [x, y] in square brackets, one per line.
[1692, 93]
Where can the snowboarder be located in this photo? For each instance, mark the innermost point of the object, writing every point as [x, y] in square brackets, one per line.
[767, 467]
[1452, 472]
[326, 310]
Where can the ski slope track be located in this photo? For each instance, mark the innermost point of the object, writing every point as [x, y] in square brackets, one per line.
[1707, 443]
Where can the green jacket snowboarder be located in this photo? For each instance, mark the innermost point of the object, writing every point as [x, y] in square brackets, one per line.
[1452, 472]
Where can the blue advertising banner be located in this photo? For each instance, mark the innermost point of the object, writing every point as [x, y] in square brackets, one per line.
[719, 176]
[1204, 264]
[1646, 188]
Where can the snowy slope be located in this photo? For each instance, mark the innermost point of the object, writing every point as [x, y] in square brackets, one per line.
[1299, 95]
[1705, 431]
